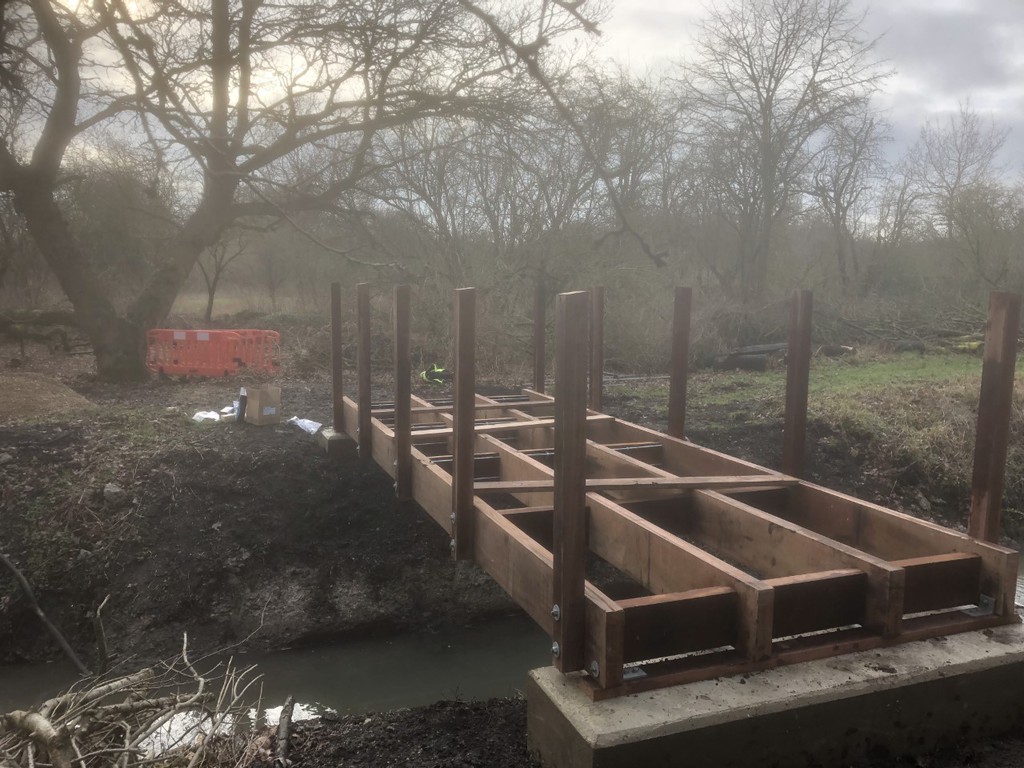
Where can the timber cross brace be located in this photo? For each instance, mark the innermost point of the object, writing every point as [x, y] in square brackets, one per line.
[731, 567]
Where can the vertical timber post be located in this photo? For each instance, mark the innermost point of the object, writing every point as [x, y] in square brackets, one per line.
[539, 328]
[570, 546]
[463, 432]
[365, 397]
[403, 395]
[798, 367]
[680, 361]
[337, 367]
[994, 409]
[596, 348]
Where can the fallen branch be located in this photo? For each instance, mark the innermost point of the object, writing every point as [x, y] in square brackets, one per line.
[283, 733]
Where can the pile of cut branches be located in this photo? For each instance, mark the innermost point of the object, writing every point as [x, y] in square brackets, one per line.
[168, 714]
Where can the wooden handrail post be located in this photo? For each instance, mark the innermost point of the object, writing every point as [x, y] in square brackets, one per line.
[570, 545]
[464, 413]
[539, 330]
[995, 407]
[680, 361]
[365, 396]
[337, 366]
[596, 348]
[403, 395]
[798, 367]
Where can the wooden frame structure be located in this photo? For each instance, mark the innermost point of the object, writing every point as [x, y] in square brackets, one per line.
[710, 565]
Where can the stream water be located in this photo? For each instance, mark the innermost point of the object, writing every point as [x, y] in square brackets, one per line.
[476, 662]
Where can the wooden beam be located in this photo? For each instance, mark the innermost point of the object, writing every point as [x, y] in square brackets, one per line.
[994, 410]
[464, 413]
[337, 364]
[570, 474]
[812, 602]
[679, 622]
[892, 535]
[539, 332]
[596, 348]
[938, 582]
[775, 547]
[403, 394]
[798, 365]
[603, 484]
[511, 426]
[363, 362]
[680, 361]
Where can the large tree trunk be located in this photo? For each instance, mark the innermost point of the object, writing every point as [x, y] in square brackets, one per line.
[119, 343]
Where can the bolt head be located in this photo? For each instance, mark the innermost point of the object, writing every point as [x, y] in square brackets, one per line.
[451, 545]
[555, 650]
[595, 669]
[452, 517]
[556, 612]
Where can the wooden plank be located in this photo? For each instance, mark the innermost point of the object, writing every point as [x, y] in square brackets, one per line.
[774, 547]
[707, 667]
[525, 405]
[464, 414]
[539, 332]
[995, 407]
[938, 582]
[337, 362]
[798, 366]
[403, 394]
[510, 427]
[596, 391]
[570, 528]
[605, 638]
[817, 601]
[892, 535]
[604, 484]
[680, 361]
[523, 568]
[364, 432]
[680, 622]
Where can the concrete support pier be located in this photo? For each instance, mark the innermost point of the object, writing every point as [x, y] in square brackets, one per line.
[900, 700]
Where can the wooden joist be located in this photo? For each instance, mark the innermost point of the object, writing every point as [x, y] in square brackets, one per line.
[640, 483]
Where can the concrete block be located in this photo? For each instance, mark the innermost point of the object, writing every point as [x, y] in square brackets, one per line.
[334, 443]
[896, 701]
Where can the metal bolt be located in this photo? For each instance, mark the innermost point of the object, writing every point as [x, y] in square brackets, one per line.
[595, 669]
[452, 518]
[555, 650]
[451, 545]
[395, 464]
[556, 612]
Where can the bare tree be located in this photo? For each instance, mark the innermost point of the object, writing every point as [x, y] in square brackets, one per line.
[226, 93]
[214, 264]
[954, 155]
[770, 77]
[843, 175]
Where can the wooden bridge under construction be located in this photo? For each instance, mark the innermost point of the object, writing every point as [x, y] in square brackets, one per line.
[733, 567]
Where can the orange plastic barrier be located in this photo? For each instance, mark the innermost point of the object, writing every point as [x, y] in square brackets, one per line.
[260, 350]
[211, 353]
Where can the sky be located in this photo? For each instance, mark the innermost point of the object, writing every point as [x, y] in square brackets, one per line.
[943, 51]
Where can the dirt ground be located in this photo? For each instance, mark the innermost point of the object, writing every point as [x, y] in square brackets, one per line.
[248, 536]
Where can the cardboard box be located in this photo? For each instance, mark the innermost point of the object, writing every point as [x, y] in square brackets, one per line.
[263, 405]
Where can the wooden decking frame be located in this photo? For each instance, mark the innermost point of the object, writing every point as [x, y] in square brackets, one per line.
[733, 567]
